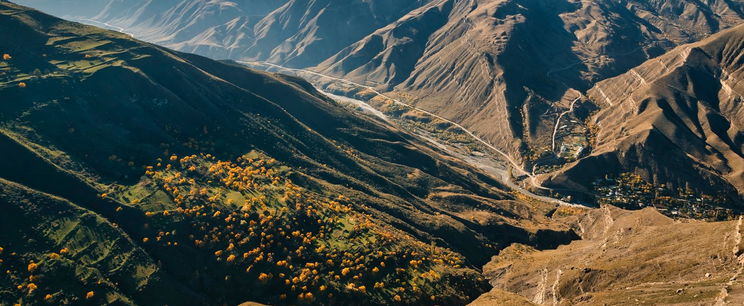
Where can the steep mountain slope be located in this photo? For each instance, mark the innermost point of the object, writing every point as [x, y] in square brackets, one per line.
[217, 28]
[513, 62]
[304, 33]
[511, 71]
[639, 258]
[297, 33]
[677, 120]
[75, 252]
[240, 185]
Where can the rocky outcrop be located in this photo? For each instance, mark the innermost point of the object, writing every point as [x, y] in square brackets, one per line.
[499, 66]
[507, 70]
[677, 120]
[638, 257]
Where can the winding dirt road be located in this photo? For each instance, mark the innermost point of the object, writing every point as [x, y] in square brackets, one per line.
[504, 174]
[558, 122]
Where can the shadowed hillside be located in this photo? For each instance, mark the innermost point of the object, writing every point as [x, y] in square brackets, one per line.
[514, 72]
[237, 185]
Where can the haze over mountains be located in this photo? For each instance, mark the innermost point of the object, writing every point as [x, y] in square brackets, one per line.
[120, 154]
[507, 70]
[297, 33]
[135, 174]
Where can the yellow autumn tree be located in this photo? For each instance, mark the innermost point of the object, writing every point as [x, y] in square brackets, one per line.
[263, 277]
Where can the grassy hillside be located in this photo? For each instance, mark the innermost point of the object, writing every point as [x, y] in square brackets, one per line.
[56, 252]
[244, 224]
[229, 183]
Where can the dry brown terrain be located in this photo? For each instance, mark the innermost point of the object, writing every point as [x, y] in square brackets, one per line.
[514, 72]
[626, 258]
[677, 119]
[525, 75]
[500, 66]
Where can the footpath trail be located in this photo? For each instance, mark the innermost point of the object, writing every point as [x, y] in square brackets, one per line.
[558, 122]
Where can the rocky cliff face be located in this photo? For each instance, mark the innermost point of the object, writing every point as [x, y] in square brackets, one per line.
[500, 66]
[515, 72]
[678, 119]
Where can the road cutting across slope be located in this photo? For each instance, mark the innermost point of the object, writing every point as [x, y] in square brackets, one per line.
[396, 101]
[504, 174]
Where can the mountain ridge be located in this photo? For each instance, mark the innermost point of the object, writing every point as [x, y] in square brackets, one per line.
[685, 101]
[148, 138]
[507, 70]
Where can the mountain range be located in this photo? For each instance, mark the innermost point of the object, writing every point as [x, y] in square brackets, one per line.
[517, 73]
[132, 168]
[678, 116]
[412, 152]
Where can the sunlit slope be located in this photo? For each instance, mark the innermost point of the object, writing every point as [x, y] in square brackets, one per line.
[57, 252]
[676, 120]
[85, 111]
[628, 257]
